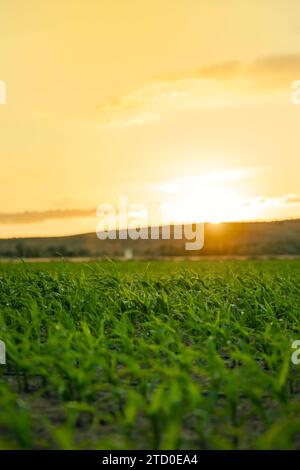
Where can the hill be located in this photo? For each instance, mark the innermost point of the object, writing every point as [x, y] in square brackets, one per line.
[244, 238]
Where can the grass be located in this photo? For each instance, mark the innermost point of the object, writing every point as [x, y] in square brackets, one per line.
[150, 355]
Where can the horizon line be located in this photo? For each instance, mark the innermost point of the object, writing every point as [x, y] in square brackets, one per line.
[80, 234]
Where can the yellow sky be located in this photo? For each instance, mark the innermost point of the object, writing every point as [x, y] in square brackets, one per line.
[180, 101]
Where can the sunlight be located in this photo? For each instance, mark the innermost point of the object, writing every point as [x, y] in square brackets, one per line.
[213, 198]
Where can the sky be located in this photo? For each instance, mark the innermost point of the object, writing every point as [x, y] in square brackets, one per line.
[186, 103]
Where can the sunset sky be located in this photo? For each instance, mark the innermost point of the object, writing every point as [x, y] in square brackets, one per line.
[185, 102]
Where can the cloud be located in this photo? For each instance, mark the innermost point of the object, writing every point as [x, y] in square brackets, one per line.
[188, 184]
[286, 200]
[141, 106]
[36, 216]
[267, 73]
[292, 199]
[219, 85]
[31, 217]
[125, 119]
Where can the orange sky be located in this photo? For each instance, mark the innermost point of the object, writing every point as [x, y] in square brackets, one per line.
[186, 102]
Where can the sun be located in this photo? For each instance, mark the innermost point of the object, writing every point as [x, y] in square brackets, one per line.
[213, 198]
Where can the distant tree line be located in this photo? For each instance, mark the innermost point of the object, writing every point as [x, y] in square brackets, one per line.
[22, 250]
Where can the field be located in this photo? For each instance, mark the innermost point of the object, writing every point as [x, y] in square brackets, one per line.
[159, 355]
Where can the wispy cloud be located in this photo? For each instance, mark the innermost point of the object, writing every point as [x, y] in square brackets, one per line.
[35, 217]
[266, 73]
[41, 216]
[189, 184]
[286, 200]
[292, 199]
[224, 84]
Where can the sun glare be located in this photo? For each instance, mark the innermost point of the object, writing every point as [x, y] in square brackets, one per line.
[212, 198]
